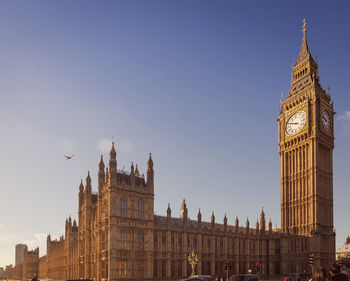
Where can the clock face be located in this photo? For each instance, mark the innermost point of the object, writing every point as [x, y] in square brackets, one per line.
[296, 123]
[325, 119]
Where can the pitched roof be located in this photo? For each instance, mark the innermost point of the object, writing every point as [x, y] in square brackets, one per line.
[304, 53]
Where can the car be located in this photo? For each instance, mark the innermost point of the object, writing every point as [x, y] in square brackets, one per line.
[244, 277]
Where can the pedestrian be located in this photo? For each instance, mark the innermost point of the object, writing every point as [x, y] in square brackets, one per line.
[335, 273]
[285, 279]
[320, 275]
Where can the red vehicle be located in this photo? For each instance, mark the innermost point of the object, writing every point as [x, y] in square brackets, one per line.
[244, 277]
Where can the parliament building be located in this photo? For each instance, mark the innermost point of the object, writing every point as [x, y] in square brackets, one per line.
[118, 236]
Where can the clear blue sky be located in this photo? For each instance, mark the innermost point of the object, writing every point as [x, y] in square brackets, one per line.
[197, 83]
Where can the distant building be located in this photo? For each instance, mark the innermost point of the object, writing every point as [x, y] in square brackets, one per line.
[344, 251]
[1, 271]
[25, 270]
[19, 253]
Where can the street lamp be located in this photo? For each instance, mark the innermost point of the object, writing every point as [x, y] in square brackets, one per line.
[193, 259]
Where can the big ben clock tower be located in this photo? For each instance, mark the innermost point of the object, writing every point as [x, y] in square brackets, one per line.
[306, 142]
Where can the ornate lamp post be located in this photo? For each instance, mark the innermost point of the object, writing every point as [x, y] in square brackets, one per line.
[193, 259]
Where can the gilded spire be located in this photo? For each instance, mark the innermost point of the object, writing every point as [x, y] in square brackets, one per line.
[304, 53]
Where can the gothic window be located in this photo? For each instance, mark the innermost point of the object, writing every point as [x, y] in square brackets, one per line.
[141, 240]
[278, 247]
[221, 245]
[163, 268]
[179, 269]
[155, 268]
[123, 207]
[155, 241]
[123, 269]
[209, 245]
[140, 209]
[172, 242]
[123, 238]
[172, 269]
[163, 242]
[267, 247]
[180, 243]
[195, 244]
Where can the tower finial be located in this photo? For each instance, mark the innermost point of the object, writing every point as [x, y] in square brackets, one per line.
[304, 25]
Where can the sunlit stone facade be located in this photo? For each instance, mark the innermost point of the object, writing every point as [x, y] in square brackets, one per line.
[118, 236]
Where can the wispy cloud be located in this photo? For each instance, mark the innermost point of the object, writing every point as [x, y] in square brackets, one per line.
[344, 124]
[345, 117]
[104, 145]
[2, 225]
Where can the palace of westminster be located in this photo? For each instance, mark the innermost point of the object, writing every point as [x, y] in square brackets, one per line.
[118, 236]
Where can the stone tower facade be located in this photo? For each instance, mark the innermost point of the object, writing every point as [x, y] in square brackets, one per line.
[306, 142]
[115, 223]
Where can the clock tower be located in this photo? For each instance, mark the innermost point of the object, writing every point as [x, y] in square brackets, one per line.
[306, 142]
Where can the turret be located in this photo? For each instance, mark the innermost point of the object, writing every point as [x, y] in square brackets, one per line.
[212, 219]
[262, 220]
[257, 226]
[48, 244]
[132, 174]
[101, 175]
[270, 225]
[236, 223]
[88, 187]
[247, 225]
[225, 222]
[168, 211]
[113, 167]
[199, 216]
[184, 211]
[168, 215]
[150, 172]
[81, 192]
[137, 171]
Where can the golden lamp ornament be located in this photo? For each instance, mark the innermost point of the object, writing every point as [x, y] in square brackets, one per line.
[193, 259]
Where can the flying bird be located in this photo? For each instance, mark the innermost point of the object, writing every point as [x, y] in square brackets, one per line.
[68, 157]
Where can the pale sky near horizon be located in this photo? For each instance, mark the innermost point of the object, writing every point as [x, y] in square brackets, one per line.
[197, 83]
